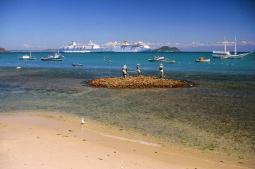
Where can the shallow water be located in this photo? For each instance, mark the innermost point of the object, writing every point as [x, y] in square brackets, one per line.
[216, 114]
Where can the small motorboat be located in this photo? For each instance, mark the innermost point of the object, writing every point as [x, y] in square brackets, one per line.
[27, 57]
[157, 58]
[55, 57]
[77, 65]
[202, 59]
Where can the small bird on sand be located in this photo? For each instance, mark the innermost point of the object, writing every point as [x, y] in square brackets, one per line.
[82, 120]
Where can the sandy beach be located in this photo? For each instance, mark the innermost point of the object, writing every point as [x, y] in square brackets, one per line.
[136, 84]
[32, 140]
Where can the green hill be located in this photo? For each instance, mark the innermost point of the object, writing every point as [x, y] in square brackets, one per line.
[3, 50]
[164, 49]
[167, 49]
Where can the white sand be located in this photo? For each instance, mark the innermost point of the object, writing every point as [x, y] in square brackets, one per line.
[46, 141]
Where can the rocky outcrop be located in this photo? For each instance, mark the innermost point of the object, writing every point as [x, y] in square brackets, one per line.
[138, 82]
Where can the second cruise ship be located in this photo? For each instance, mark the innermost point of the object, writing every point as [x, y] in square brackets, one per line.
[126, 47]
[74, 47]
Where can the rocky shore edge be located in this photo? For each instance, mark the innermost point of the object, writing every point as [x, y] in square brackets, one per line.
[138, 82]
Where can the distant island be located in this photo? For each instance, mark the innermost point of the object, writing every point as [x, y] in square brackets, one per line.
[164, 49]
[167, 49]
[3, 49]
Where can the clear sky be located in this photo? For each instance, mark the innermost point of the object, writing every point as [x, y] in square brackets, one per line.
[189, 25]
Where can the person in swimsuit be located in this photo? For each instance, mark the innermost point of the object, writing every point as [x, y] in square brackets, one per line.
[138, 70]
[161, 71]
[124, 71]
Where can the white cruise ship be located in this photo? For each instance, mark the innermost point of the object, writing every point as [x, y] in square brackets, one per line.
[74, 47]
[126, 47]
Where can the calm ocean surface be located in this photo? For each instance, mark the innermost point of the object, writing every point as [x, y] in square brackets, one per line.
[185, 62]
[216, 114]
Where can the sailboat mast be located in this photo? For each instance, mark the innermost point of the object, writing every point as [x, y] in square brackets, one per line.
[235, 45]
[225, 45]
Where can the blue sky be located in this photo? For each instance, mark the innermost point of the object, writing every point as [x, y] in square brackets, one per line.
[189, 25]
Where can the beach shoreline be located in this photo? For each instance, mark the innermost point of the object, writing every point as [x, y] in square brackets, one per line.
[58, 140]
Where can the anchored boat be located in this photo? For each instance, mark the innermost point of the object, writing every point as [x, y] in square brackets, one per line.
[77, 65]
[235, 55]
[27, 57]
[157, 58]
[222, 54]
[202, 59]
[226, 54]
[55, 57]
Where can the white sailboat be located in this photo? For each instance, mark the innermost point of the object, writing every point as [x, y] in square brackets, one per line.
[222, 54]
[27, 57]
[237, 56]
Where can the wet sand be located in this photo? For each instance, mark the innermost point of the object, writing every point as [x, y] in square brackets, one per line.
[32, 140]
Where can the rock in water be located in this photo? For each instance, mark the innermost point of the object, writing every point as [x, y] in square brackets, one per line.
[138, 82]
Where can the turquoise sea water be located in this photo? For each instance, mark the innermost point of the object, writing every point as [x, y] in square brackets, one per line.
[216, 114]
[185, 62]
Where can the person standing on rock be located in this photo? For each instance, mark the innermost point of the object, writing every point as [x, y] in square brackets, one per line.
[124, 71]
[138, 70]
[161, 71]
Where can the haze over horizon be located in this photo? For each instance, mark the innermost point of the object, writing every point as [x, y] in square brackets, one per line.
[191, 26]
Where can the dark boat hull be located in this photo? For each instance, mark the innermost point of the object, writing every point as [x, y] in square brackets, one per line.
[48, 59]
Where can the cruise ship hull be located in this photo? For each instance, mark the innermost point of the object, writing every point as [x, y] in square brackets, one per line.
[105, 50]
[75, 51]
[126, 49]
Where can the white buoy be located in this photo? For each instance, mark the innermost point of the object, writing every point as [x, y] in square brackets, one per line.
[82, 120]
[18, 67]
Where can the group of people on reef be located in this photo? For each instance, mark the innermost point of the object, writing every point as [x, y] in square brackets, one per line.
[138, 70]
